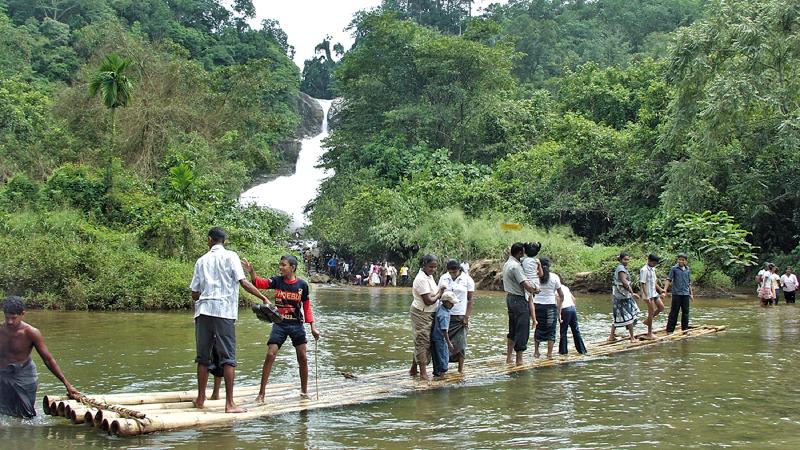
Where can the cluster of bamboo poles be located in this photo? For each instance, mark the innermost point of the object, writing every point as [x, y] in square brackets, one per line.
[134, 414]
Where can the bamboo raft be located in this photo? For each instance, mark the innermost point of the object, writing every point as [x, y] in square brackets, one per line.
[135, 414]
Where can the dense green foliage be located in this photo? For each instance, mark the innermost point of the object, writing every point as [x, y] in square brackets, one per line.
[317, 71]
[603, 116]
[192, 103]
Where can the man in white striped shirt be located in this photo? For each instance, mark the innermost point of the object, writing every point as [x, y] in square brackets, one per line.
[215, 290]
[652, 292]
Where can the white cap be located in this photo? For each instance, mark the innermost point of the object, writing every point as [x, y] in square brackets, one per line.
[450, 297]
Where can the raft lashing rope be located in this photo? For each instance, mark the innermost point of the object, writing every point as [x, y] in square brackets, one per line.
[135, 414]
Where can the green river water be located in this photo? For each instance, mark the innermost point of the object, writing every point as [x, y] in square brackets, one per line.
[738, 389]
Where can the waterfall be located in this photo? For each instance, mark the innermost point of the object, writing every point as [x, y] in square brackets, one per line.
[290, 194]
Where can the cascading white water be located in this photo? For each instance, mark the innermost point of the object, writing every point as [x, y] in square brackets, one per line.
[292, 193]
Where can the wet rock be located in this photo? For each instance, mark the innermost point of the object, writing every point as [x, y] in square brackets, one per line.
[310, 116]
[319, 278]
[336, 107]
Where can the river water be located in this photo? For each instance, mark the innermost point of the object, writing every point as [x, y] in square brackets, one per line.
[735, 389]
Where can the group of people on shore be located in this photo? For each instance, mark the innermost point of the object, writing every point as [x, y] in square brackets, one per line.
[770, 285]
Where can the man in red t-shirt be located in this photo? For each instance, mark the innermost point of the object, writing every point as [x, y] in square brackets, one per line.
[294, 304]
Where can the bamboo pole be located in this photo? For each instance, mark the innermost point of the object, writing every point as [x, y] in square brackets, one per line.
[48, 400]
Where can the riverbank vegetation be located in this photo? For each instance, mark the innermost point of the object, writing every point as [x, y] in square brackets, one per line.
[623, 124]
[110, 211]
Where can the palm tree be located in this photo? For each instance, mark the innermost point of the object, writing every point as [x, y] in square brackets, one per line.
[115, 91]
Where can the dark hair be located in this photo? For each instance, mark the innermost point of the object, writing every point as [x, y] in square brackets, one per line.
[532, 248]
[427, 259]
[453, 264]
[545, 262]
[13, 305]
[291, 260]
[623, 255]
[517, 248]
[217, 234]
[766, 265]
[683, 255]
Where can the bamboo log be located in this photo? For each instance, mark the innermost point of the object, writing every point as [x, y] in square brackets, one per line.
[48, 400]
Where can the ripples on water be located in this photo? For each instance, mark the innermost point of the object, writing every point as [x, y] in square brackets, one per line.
[735, 389]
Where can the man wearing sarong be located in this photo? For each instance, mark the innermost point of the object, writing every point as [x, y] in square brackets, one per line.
[521, 312]
[18, 377]
[624, 308]
[457, 281]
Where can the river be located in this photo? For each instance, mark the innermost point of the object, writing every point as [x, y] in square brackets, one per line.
[738, 388]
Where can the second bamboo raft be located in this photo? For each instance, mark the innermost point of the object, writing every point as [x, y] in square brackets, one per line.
[135, 414]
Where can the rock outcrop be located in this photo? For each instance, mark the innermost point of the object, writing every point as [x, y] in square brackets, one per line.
[310, 116]
[336, 106]
[488, 274]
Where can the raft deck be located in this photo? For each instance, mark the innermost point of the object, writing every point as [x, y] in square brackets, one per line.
[135, 414]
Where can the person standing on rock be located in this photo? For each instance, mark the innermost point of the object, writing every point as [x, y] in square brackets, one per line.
[215, 291]
[521, 313]
[426, 295]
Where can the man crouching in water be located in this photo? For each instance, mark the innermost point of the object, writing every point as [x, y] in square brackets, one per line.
[18, 377]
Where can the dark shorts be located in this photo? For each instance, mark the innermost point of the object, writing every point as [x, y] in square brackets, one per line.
[215, 334]
[291, 329]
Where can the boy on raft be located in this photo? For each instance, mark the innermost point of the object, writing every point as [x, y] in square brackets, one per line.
[294, 304]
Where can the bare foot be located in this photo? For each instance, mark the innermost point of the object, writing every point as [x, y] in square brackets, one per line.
[412, 372]
[260, 398]
[549, 356]
[650, 337]
[536, 355]
[199, 402]
[233, 409]
[612, 339]
[633, 338]
[214, 397]
[305, 396]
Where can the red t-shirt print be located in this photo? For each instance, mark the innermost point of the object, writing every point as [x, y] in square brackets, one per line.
[291, 297]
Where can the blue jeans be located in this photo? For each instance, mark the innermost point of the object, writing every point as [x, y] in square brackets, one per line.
[569, 318]
[440, 355]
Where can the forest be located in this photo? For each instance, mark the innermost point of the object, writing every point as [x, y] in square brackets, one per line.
[128, 127]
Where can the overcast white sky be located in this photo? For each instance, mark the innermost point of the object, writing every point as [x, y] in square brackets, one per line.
[307, 22]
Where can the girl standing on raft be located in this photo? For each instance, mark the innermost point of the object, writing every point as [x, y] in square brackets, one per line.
[457, 281]
[548, 308]
[625, 310]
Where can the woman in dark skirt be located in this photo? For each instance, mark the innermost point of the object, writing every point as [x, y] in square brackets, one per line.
[624, 308]
[548, 308]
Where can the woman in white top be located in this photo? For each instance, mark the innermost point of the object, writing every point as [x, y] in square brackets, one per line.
[426, 299]
[764, 279]
[457, 281]
[569, 319]
[547, 304]
[789, 285]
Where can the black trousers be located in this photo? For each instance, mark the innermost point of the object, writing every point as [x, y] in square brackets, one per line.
[519, 321]
[679, 303]
[789, 296]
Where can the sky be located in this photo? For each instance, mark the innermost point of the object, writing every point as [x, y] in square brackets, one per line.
[307, 22]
